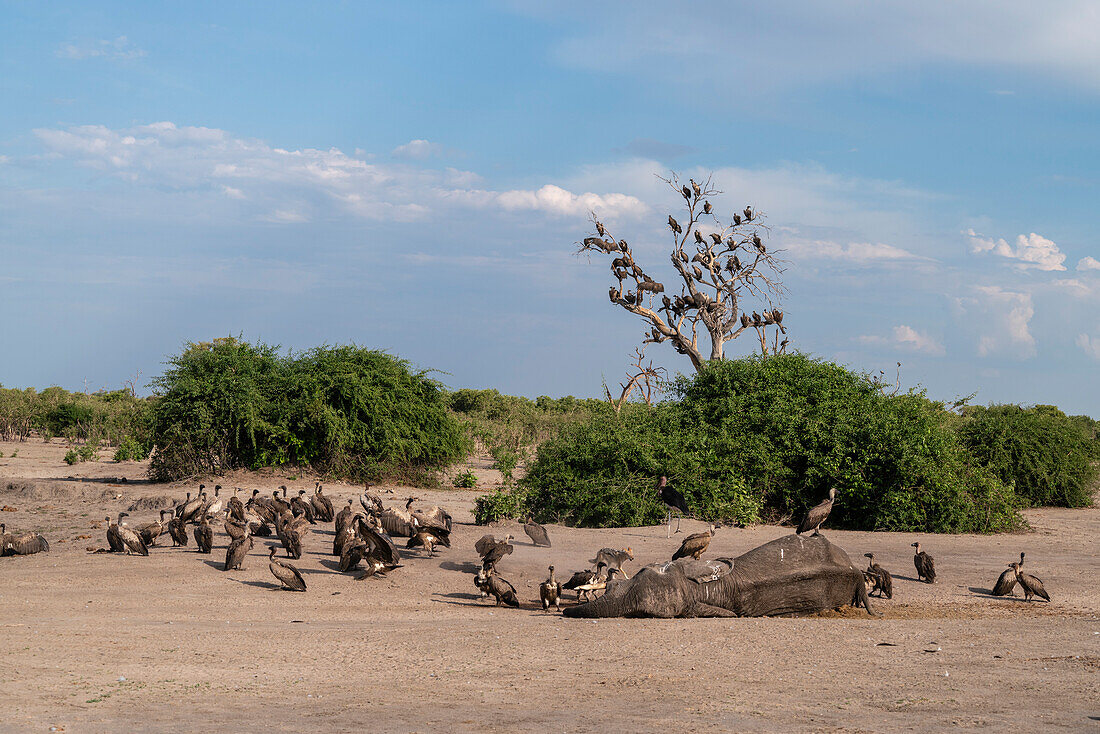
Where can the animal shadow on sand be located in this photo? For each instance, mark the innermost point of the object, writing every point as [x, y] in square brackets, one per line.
[463, 566]
[907, 578]
[260, 584]
[988, 593]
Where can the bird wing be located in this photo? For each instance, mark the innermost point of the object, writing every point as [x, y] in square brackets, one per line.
[689, 546]
[1005, 584]
[381, 547]
[485, 544]
[25, 544]
[675, 499]
[1034, 585]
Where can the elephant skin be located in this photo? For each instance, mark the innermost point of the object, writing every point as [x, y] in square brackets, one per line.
[790, 575]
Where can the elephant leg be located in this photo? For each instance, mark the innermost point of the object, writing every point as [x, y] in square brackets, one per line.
[699, 609]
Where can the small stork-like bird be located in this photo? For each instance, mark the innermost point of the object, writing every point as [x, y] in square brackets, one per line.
[672, 499]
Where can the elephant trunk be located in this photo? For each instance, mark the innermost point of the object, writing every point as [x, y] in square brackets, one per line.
[605, 606]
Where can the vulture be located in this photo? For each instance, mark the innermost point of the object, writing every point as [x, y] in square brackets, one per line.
[674, 225]
[235, 507]
[21, 544]
[185, 503]
[214, 506]
[398, 522]
[204, 534]
[697, 272]
[673, 500]
[150, 532]
[353, 552]
[550, 592]
[381, 555]
[493, 554]
[301, 507]
[235, 553]
[262, 506]
[584, 578]
[491, 584]
[759, 245]
[178, 530]
[279, 505]
[322, 505]
[737, 219]
[537, 533]
[114, 539]
[434, 515]
[1006, 584]
[234, 529]
[599, 229]
[706, 207]
[597, 582]
[699, 238]
[694, 545]
[1032, 586]
[744, 321]
[695, 187]
[429, 536]
[748, 214]
[345, 534]
[686, 192]
[716, 237]
[925, 564]
[883, 582]
[289, 577]
[193, 507]
[614, 559]
[130, 539]
[290, 530]
[817, 515]
[343, 517]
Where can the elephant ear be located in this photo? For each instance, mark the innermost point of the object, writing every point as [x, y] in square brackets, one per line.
[705, 571]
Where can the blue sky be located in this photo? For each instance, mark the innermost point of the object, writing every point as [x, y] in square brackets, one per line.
[416, 179]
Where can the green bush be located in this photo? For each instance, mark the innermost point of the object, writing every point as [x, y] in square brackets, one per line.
[106, 417]
[89, 452]
[130, 449]
[72, 456]
[498, 505]
[465, 480]
[762, 438]
[344, 411]
[1047, 456]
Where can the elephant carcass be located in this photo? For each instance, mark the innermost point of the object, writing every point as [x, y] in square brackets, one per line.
[791, 575]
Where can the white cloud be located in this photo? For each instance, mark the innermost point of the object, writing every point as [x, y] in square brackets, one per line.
[1001, 319]
[417, 150]
[1031, 251]
[119, 48]
[908, 338]
[1088, 263]
[790, 43]
[858, 252]
[1090, 345]
[286, 185]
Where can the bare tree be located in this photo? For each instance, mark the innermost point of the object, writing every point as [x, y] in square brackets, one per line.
[645, 377]
[728, 262]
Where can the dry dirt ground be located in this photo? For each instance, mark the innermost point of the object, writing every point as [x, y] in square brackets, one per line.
[171, 642]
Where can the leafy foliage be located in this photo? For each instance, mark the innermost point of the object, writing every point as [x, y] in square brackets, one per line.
[763, 438]
[107, 417]
[1047, 456]
[344, 410]
[465, 480]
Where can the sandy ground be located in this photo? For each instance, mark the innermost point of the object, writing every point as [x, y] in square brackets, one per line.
[171, 642]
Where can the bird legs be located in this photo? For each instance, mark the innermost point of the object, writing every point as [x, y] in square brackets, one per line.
[668, 521]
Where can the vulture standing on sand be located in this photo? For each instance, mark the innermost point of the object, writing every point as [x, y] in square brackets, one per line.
[537, 533]
[182, 505]
[883, 581]
[672, 500]
[550, 592]
[114, 538]
[493, 585]
[1032, 585]
[204, 534]
[130, 539]
[301, 507]
[817, 515]
[398, 522]
[322, 505]
[150, 532]
[429, 536]
[193, 507]
[234, 507]
[1006, 584]
[381, 555]
[234, 529]
[694, 545]
[235, 553]
[178, 530]
[925, 565]
[434, 515]
[288, 575]
[21, 544]
[214, 507]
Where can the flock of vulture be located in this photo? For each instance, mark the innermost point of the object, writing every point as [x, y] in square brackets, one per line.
[364, 542]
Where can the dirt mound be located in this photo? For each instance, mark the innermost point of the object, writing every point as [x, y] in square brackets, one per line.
[44, 490]
[154, 502]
